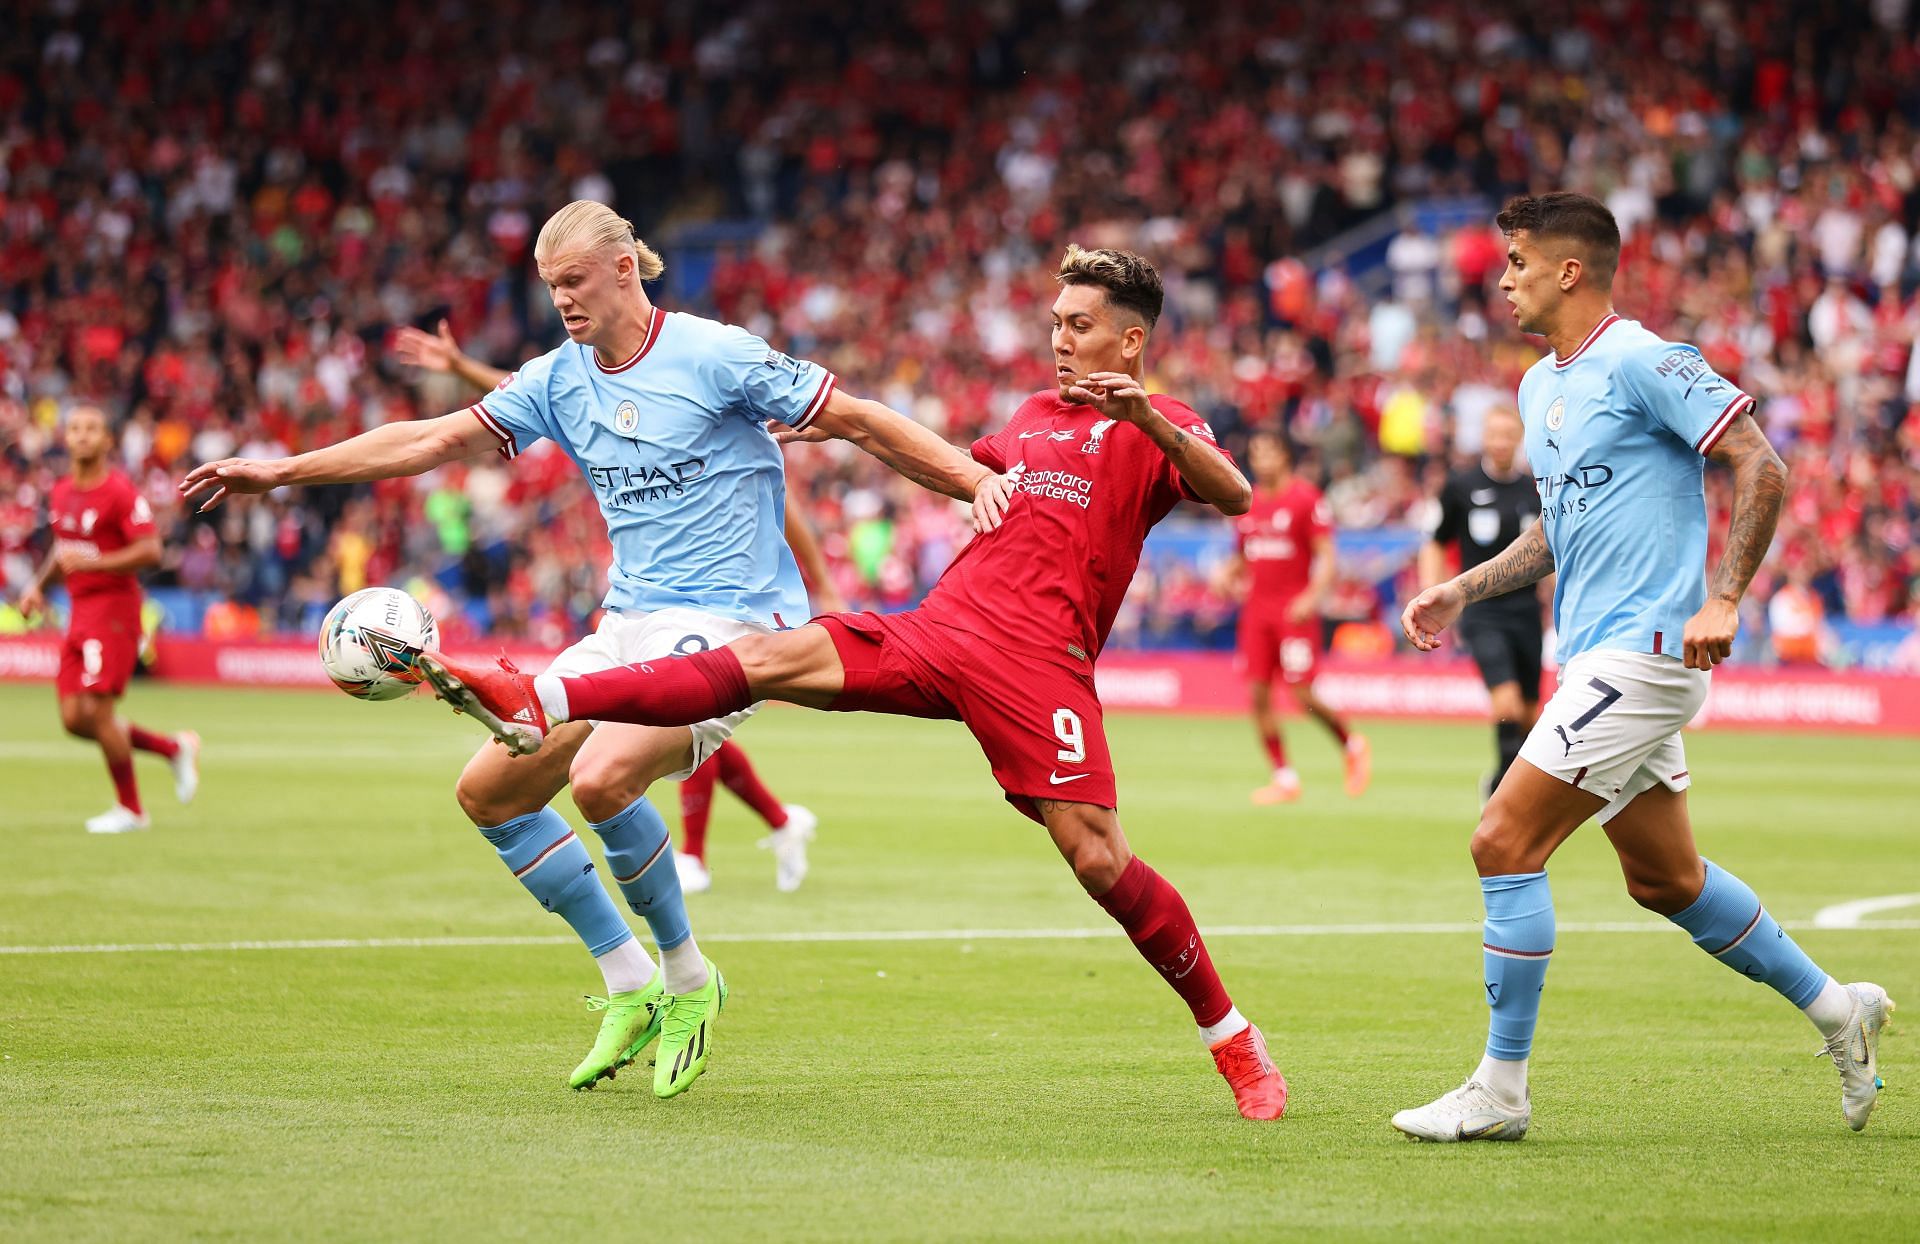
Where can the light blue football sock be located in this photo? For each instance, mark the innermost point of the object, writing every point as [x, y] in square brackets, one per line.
[1728, 922]
[1517, 945]
[640, 856]
[542, 851]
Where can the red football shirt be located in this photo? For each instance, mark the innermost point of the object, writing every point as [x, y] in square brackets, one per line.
[102, 519]
[1277, 537]
[1048, 583]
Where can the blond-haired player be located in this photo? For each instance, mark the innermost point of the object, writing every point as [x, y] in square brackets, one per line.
[666, 415]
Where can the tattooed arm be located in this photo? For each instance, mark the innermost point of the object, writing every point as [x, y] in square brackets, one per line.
[1525, 561]
[1759, 490]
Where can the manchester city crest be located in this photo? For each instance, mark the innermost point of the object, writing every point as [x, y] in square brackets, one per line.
[626, 417]
[1556, 414]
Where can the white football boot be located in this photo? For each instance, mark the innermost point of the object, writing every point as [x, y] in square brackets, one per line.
[186, 766]
[1855, 1051]
[694, 877]
[1470, 1112]
[117, 820]
[789, 846]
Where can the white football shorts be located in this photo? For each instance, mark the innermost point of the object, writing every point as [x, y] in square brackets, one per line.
[628, 638]
[1613, 726]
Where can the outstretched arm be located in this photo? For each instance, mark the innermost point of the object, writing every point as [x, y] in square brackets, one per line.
[440, 352]
[902, 444]
[1526, 560]
[1759, 490]
[410, 447]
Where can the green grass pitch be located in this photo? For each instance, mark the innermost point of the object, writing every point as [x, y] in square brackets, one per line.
[949, 1087]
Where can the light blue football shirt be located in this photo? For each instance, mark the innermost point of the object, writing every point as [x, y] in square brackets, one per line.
[1618, 433]
[674, 445]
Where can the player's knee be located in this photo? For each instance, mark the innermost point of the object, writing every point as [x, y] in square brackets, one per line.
[603, 789]
[1499, 843]
[1097, 865]
[77, 721]
[763, 658]
[1664, 892]
[476, 799]
[1094, 848]
[487, 799]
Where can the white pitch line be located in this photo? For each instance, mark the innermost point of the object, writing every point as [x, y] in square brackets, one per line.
[1449, 929]
[1849, 915]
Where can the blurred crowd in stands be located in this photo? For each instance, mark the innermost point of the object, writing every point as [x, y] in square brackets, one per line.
[212, 221]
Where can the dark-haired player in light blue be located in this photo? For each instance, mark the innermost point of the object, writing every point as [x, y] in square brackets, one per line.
[1618, 426]
[665, 414]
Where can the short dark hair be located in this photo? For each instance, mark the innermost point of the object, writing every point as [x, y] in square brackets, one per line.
[98, 408]
[1576, 218]
[1129, 280]
[1275, 437]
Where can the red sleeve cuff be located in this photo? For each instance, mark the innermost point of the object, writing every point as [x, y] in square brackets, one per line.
[1741, 402]
[509, 448]
[819, 403]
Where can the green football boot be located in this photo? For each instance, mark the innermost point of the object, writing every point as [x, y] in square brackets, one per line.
[631, 1021]
[686, 1035]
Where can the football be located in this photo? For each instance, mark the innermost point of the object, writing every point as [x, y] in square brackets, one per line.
[370, 641]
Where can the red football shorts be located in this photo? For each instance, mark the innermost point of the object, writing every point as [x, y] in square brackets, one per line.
[101, 648]
[1039, 724]
[1272, 644]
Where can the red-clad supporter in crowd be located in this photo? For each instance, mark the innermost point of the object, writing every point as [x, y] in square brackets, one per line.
[219, 247]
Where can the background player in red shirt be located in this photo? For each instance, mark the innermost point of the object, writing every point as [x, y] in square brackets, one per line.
[1281, 572]
[103, 536]
[1006, 641]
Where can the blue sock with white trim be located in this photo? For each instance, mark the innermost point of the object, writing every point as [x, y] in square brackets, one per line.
[1728, 922]
[547, 858]
[640, 855]
[1517, 945]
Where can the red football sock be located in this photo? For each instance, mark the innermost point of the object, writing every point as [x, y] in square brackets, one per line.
[147, 741]
[123, 784]
[675, 692]
[1276, 750]
[696, 809]
[737, 772]
[1156, 918]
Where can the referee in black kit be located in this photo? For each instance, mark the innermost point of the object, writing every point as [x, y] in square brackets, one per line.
[1484, 509]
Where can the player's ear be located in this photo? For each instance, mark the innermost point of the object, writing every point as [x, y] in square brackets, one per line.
[1132, 341]
[1570, 269]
